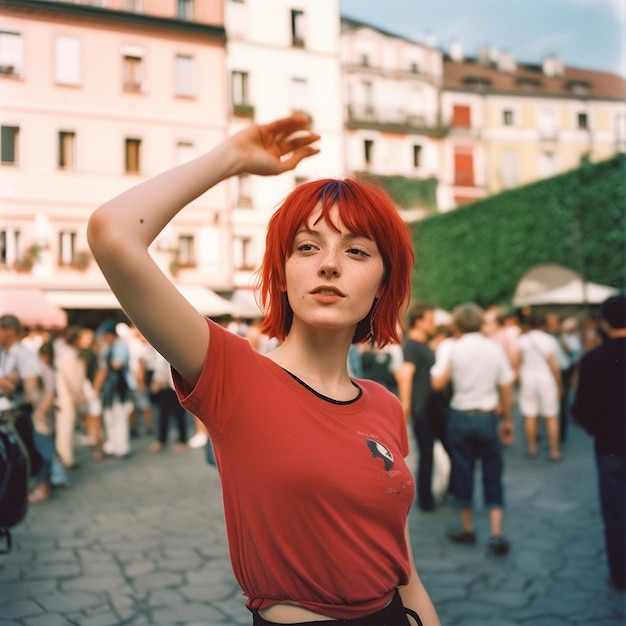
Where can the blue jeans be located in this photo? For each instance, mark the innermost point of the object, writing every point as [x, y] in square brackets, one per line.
[612, 487]
[474, 436]
[45, 446]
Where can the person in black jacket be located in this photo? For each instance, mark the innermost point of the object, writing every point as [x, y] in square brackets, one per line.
[600, 407]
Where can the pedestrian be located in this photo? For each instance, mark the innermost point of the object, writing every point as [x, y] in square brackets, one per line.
[168, 407]
[600, 407]
[71, 401]
[115, 384]
[20, 383]
[415, 393]
[479, 421]
[44, 426]
[540, 384]
[315, 489]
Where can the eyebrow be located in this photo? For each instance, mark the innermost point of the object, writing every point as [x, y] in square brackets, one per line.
[348, 236]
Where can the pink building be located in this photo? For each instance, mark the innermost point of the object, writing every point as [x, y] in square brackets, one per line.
[94, 98]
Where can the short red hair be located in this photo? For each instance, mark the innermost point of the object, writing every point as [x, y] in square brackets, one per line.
[366, 210]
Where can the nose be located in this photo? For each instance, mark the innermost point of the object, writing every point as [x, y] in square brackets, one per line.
[329, 265]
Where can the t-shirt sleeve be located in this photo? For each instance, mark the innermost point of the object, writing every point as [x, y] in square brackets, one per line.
[222, 381]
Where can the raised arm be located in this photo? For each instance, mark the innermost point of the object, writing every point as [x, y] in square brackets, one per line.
[121, 231]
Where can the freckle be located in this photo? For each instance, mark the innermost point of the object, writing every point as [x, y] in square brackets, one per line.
[141, 221]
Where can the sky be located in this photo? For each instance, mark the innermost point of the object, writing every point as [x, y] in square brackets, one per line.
[584, 33]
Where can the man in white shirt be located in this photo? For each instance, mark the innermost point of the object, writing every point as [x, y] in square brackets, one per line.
[480, 419]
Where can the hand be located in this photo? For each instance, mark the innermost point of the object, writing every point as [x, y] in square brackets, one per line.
[277, 147]
[507, 432]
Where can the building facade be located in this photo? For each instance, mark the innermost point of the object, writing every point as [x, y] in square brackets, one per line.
[513, 123]
[96, 97]
[392, 92]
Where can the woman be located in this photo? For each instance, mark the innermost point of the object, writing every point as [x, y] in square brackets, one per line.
[316, 494]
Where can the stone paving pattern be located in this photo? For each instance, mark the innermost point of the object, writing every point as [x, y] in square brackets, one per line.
[141, 542]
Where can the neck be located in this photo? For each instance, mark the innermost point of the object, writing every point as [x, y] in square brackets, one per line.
[417, 334]
[320, 359]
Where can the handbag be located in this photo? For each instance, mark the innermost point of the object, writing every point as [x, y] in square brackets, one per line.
[14, 479]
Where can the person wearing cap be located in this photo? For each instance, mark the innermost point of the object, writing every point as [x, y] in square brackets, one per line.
[600, 407]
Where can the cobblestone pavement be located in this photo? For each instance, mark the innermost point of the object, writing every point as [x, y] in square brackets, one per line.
[141, 541]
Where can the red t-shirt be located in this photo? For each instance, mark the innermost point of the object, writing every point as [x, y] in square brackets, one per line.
[316, 492]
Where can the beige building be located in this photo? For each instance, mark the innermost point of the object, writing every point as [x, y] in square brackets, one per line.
[391, 90]
[96, 97]
[513, 123]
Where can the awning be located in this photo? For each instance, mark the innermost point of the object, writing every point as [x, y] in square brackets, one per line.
[83, 298]
[574, 292]
[245, 304]
[31, 306]
[203, 299]
[206, 301]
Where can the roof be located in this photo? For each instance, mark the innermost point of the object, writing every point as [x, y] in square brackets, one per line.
[529, 79]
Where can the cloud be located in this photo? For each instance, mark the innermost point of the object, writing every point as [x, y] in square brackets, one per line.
[617, 7]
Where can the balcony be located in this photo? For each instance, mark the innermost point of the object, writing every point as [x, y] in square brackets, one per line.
[392, 119]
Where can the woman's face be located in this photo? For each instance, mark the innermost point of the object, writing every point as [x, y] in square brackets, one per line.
[332, 277]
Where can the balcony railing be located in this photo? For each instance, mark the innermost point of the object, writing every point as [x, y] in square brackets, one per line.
[393, 119]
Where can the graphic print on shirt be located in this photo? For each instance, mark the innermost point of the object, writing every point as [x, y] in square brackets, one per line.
[380, 452]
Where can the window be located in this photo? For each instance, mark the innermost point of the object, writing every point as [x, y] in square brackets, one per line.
[507, 117]
[186, 250]
[461, 116]
[185, 9]
[583, 121]
[417, 155]
[364, 60]
[185, 75]
[132, 70]
[135, 6]
[547, 124]
[300, 99]
[244, 190]
[10, 136]
[11, 54]
[133, 156]
[67, 60]
[463, 166]
[239, 86]
[67, 245]
[67, 150]
[508, 169]
[242, 253]
[298, 28]
[9, 246]
[184, 152]
[547, 164]
[368, 151]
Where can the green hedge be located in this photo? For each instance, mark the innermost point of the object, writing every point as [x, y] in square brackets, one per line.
[480, 251]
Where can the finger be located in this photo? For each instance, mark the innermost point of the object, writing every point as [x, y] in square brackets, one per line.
[286, 126]
[290, 161]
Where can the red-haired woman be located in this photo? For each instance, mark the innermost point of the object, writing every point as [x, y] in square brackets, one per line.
[316, 492]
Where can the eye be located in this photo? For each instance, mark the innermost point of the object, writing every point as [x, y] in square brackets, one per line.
[354, 251]
[305, 247]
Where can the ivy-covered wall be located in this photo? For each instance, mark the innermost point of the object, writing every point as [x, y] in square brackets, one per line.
[480, 251]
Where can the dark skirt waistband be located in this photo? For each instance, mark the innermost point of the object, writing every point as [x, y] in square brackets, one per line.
[394, 614]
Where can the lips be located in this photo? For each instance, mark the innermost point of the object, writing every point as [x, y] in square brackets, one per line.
[327, 291]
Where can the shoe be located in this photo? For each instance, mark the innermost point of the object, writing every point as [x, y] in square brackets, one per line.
[462, 536]
[616, 584]
[180, 447]
[498, 546]
[38, 494]
[155, 446]
[198, 440]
